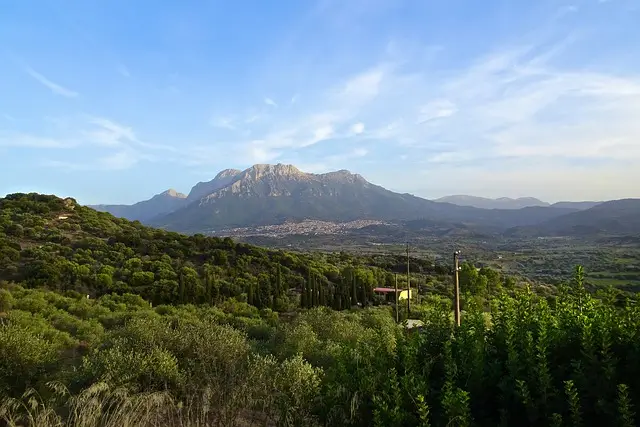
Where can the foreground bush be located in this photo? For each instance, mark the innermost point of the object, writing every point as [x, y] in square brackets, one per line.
[570, 361]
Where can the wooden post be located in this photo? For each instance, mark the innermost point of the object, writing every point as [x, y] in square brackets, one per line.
[456, 288]
[397, 314]
[408, 286]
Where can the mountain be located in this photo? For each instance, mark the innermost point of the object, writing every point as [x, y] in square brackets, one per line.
[575, 205]
[272, 194]
[617, 217]
[486, 203]
[160, 204]
[221, 180]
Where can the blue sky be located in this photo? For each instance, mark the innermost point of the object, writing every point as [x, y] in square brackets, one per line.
[112, 101]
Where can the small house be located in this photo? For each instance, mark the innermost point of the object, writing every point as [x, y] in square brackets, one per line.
[389, 294]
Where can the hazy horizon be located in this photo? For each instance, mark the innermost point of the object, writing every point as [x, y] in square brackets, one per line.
[113, 101]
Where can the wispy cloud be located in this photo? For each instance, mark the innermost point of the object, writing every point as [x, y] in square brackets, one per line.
[331, 162]
[328, 115]
[123, 159]
[123, 70]
[515, 105]
[109, 133]
[54, 87]
[119, 160]
[270, 102]
[222, 122]
[22, 140]
[103, 143]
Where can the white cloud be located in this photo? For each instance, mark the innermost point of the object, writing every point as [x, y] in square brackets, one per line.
[222, 122]
[436, 110]
[270, 102]
[107, 132]
[360, 152]
[321, 133]
[119, 160]
[54, 87]
[259, 154]
[519, 105]
[104, 143]
[363, 87]
[123, 159]
[22, 140]
[357, 128]
[330, 116]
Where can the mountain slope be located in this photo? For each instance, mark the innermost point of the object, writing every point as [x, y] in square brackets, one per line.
[575, 205]
[486, 203]
[618, 217]
[221, 180]
[271, 194]
[46, 241]
[159, 204]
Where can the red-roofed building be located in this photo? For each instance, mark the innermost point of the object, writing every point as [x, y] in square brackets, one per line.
[389, 293]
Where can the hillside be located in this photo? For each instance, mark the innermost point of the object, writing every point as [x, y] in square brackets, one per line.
[107, 322]
[575, 205]
[486, 203]
[617, 217]
[47, 241]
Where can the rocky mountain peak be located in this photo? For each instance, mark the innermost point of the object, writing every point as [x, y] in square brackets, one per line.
[228, 173]
[222, 179]
[173, 193]
[265, 170]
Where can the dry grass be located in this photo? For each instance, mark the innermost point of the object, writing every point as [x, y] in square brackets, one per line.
[102, 406]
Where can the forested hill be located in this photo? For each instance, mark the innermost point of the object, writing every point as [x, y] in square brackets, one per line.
[59, 244]
[572, 359]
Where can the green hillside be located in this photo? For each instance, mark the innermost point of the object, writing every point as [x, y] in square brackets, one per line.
[58, 244]
[167, 336]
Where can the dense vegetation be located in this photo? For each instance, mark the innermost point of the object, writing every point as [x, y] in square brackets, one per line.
[55, 243]
[116, 359]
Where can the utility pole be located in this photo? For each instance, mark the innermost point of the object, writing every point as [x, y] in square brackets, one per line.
[397, 314]
[456, 287]
[408, 285]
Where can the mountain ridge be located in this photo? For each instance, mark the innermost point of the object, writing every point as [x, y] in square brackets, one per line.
[616, 217]
[266, 194]
[511, 203]
[160, 204]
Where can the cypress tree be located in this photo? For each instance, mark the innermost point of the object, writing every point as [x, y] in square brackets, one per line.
[303, 295]
[181, 290]
[354, 296]
[278, 286]
[250, 296]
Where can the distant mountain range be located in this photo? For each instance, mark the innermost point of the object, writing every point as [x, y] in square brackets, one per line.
[509, 203]
[158, 205]
[617, 217]
[273, 194]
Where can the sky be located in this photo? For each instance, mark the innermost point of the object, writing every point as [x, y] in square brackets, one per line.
[113, 101]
